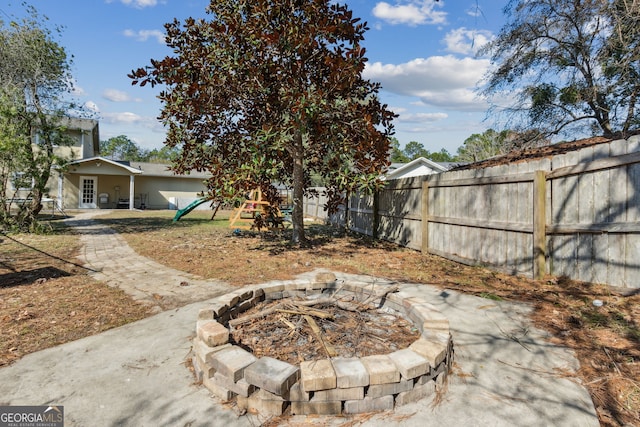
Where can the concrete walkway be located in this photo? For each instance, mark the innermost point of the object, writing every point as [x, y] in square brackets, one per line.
[506, 373]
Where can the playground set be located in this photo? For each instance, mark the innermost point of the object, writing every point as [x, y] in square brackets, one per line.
[257, 213]
[254, 212]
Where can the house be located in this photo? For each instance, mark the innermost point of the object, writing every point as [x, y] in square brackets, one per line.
[416, 167]
[89, 181]
[101, 183]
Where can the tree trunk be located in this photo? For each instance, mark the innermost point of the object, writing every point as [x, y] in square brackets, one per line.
[36, 203]
[297, 216]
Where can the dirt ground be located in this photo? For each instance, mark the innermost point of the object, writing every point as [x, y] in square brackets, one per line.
[46, 298]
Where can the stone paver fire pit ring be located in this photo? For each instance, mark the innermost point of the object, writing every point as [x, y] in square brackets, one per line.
[334, 386]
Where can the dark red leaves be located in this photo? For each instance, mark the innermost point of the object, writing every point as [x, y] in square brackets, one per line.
[264, 87]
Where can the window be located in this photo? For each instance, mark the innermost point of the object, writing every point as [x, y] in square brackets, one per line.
[20, 181]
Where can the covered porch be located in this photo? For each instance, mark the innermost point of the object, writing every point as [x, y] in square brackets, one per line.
[99, 183]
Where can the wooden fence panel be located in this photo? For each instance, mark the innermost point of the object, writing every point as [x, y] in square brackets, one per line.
[616, 212]
[601, 254]
[399, 209]
[601, 183]
[632, 250]
[591, 217]
[522, 262]
[314, 206]
[361, 213]
[564, 211]
[500, 212]
[585, 215]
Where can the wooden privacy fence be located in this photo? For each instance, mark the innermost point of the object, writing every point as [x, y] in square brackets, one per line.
[575, 214]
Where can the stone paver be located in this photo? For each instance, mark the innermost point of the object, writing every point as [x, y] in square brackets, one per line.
[316, 408]
[433, 351]
[409, 363]
[317, 375]
[338, 394]
[272, 375]
[110, 259]
[379, 390]
[212, 332]
[231, 362]
[368, 404]
[381, 369]
[350, 372]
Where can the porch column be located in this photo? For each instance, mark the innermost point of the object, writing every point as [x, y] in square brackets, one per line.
[132, 179]
[60, 194]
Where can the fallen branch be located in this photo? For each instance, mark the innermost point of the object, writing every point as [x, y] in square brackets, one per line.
[313, 311]
[381, 294]
[331, 352]
[307, 312]
[615, 365]
[280, 308]
[288, 323]
[348, 305]
[263, 313]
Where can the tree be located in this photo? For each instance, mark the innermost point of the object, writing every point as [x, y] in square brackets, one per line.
[440, 156]
[414, 150]
[397, 154]
[163, 155]
[11, 133]
[491, 143]
[480, 146]
[271, 91]
[34, 80]
[573, 64]
[620, 57]
[122, 148]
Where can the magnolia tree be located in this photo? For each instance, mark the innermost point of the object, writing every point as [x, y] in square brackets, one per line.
[270, 91]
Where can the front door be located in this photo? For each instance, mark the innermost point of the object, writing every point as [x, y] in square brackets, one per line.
[88, 186]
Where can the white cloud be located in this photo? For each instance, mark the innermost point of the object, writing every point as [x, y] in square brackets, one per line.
[466, 42]
[146, 131]
[442, 81]
[115, 95]
[123, 118]
[410, 12]
[127, 118]
[422, 117]
[144, 35]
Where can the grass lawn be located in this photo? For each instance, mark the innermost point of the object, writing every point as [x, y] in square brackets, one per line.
[46, 297]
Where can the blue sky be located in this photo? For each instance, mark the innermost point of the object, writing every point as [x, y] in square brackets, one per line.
[422, 52]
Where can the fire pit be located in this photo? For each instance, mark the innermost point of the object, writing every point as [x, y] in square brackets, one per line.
[280, 346]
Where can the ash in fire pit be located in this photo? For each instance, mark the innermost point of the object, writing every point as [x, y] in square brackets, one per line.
[322, 347]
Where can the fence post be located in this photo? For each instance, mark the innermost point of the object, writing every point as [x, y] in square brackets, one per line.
[539, 224]
[425, 217]
[347, 211]
[376, 214]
